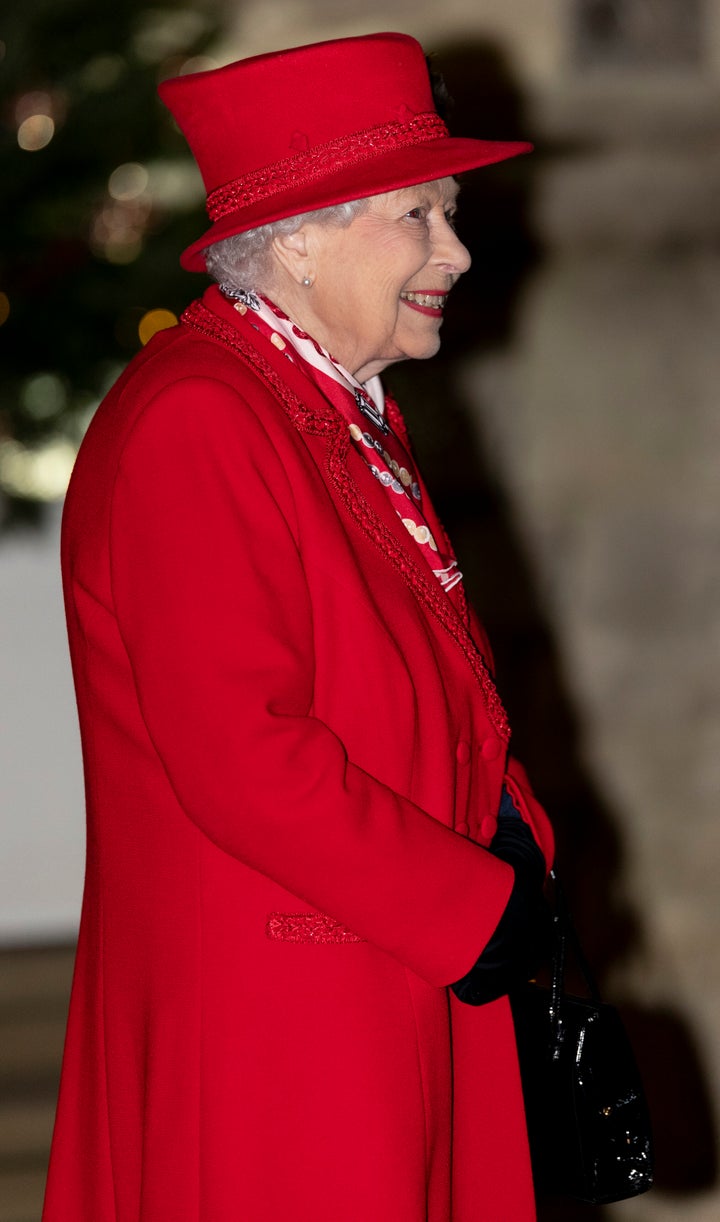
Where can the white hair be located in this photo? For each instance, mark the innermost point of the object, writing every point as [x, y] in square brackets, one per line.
[244, 261]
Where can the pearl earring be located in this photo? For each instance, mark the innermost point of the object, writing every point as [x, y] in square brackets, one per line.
[307, 281]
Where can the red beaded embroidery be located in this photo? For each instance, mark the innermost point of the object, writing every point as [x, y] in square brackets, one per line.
[306, 166]
[426, 587]
[308, 927]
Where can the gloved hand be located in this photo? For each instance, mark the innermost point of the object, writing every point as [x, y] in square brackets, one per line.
[510, 953]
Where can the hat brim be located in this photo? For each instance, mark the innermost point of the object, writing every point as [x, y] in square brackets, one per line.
[390, 171]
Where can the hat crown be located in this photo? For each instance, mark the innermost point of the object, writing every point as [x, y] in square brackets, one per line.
[246, 115]
[290, 132]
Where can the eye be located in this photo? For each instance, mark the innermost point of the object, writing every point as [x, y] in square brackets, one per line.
[451, 217]
[416, 214]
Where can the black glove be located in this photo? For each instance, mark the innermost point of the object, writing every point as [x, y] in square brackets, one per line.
[510, 953]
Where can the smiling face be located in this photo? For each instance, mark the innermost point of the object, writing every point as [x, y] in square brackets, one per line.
[378, 285]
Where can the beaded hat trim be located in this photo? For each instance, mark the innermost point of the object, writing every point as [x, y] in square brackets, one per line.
[308, 164]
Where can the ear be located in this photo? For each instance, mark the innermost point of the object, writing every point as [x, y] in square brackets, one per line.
[293, 254]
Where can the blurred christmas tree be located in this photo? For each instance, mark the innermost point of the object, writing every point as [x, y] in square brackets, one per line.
[99, 195]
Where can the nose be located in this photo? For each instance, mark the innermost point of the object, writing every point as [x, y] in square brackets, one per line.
[450, 254]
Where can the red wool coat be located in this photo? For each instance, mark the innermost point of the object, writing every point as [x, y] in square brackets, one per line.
[293, 757]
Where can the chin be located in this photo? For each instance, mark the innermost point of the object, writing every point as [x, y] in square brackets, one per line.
[426, 351]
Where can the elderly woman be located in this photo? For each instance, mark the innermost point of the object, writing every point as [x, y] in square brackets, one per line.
[313, 868]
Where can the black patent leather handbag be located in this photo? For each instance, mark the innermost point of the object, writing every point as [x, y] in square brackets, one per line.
[587, 1116]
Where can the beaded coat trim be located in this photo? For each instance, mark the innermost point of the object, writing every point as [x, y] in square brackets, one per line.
[307, 164]
[327, 421]
[309, 927]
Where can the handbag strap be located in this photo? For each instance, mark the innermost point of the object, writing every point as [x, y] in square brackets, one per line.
[564, 937]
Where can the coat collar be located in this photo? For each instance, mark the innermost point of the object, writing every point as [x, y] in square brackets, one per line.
[358, 493]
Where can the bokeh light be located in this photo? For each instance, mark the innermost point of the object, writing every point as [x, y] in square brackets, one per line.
[36, 102]
[37, 115]
[128, 181]
[154, 321]
[102, 72]
[43, 396]
[117, 229]
[118, 226]
[176, 185]
[35, 132]
[39, 473]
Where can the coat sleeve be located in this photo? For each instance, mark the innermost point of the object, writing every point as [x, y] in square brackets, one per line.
[214, 611]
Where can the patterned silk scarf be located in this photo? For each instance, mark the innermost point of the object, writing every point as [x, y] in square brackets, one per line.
[363, 408]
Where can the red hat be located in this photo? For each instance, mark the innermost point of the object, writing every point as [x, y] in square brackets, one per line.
[301, 129]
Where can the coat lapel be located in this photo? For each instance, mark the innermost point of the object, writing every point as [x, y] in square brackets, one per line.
[354, 487]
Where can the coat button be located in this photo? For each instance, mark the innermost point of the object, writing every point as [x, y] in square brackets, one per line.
[463, 752]
[491, 749]
[488, 827]
[462, 828]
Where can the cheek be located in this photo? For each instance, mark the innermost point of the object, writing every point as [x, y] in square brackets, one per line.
[381, 305]
[396, 322]
[386, 324]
